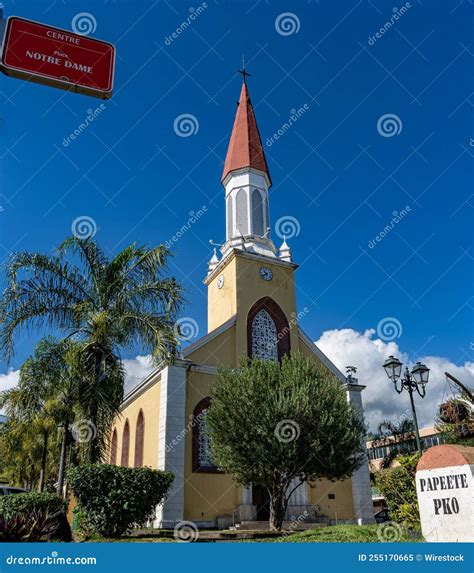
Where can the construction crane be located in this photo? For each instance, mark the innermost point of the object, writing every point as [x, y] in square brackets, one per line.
[465, 389]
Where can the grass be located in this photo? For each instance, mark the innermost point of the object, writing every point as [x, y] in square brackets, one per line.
[331, 534]
[129, 539]
[344, 534]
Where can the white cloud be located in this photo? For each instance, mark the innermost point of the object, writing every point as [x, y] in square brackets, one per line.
[350, 347]
[8, 380]
[136, 370]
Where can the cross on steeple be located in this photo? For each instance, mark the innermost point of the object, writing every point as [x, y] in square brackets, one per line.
[243, 71]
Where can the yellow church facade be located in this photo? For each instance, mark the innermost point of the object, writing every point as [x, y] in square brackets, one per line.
[251, 312]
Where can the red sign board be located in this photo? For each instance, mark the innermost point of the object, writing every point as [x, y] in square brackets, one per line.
[55, 57]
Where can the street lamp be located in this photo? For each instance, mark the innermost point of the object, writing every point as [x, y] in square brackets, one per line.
[411, 381]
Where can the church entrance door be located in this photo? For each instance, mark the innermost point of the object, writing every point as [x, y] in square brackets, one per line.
[261, 500]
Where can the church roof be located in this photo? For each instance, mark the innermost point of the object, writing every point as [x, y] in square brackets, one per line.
[245, 146]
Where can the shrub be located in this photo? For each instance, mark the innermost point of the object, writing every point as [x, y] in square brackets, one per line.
[33, 517]
[398, 487]
[114, 499]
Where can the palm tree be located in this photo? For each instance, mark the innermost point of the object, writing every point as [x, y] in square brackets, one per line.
[398, 435]
[47, 397]
[106, 304]
[25, 406]
[21, 447]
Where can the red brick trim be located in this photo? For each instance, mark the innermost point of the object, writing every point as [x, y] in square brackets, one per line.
[446, 455]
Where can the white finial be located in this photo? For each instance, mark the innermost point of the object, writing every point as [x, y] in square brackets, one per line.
[212, 264]
[285, 252]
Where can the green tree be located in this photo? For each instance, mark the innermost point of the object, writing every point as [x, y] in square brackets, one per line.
[279, 426]
[48, 396]
[28, 409]
[21, 448]
[106, 304]
[398, 436]
[397, 485]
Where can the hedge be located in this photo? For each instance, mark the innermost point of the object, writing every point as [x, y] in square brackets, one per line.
[114, 499]
[33, 517]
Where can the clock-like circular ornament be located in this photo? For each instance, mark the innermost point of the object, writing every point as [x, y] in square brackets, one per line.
[220, 281]
[266, 274]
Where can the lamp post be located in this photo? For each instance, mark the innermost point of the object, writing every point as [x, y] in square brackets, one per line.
[411, 381]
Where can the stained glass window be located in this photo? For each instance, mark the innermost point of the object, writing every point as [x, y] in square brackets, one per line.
[204, 452]
[264, 337]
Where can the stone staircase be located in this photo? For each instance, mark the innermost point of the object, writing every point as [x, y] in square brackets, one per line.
[287, 525]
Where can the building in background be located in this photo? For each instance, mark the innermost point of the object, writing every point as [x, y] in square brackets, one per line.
[390, 446]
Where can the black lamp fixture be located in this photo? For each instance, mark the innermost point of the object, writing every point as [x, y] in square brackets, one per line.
[417, 380]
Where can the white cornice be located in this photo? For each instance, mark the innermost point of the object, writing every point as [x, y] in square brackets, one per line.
[242, 171]
[204, 369]
[237, 252]
[151, 380]
[354, 387]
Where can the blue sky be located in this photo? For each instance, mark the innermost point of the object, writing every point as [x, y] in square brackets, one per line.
[333, 171]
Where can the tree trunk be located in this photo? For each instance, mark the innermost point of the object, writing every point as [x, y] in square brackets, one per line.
[62, 460]
[278, 503]
[94, 450]
[44, 455]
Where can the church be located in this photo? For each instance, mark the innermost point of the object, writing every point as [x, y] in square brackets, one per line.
[251, 312]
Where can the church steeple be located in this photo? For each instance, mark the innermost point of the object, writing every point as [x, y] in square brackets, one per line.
[246, 179]
[245, 147]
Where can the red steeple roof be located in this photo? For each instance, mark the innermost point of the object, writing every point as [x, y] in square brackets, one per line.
[245, 146]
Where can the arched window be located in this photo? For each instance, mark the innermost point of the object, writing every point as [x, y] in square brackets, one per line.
[229, 217]
[268, 332]
[241, 212]
[125, 445]
[113, 448]
[202, 457]
[257, 213]
[267, 214]
[139, 439]
[264, 337]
